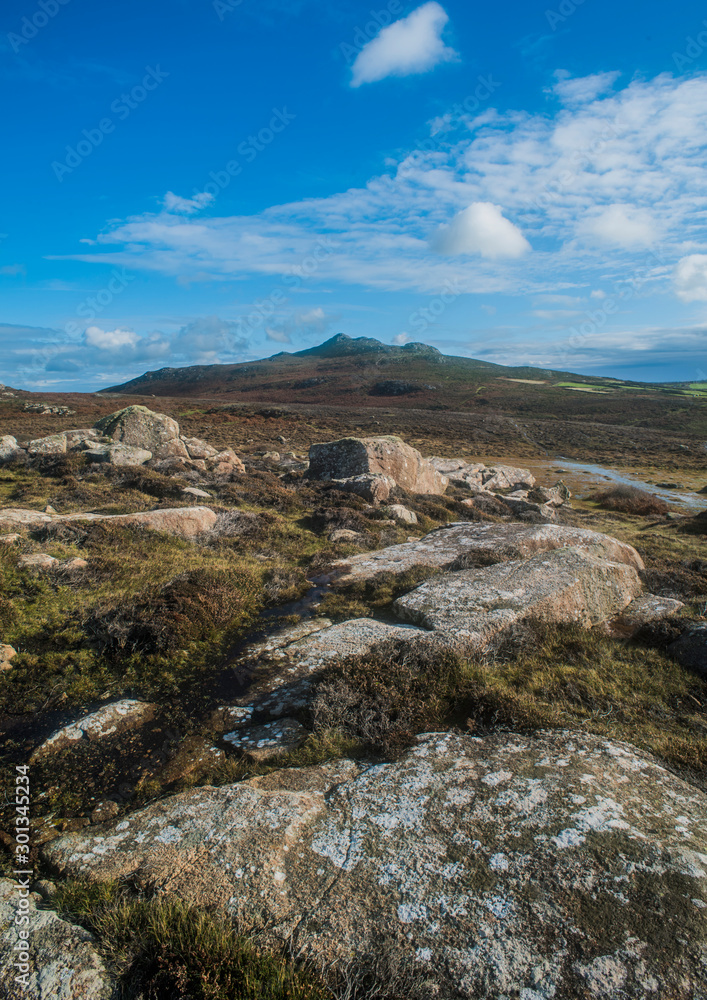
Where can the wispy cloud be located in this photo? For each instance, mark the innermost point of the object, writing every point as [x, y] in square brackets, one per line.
[611, 174]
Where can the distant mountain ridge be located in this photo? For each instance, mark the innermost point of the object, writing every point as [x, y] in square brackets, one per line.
[362, 371]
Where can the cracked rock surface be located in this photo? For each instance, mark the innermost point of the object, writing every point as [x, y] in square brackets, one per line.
[550, 867]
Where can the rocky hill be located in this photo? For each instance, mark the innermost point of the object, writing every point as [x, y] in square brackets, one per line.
[423, 709]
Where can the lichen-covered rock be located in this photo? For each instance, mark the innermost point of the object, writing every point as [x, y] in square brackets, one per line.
[387, 456]
[565, 585]
[62, 960]
[261, 743]
[140, 427]
[118, 717]
[8, 447]
[645, 609]
[374, 488]
[402, 513]
[506, 477]
[225, 463]
[199, 449]
[462, 544]
[690, 650]
[54, 444]
[118, 454]
[551, 867]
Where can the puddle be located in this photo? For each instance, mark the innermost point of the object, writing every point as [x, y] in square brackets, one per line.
[583, 478]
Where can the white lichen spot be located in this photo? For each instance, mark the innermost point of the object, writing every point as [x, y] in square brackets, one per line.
[568, 838]
[496, 778]
[170, 835]
[408, 912]
[499, 863]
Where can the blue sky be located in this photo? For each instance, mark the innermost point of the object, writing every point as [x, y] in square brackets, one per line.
[196, 182]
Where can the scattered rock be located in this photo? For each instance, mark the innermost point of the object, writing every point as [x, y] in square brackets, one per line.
[645, 609]
[374, 488]
[261, 743]
[118, 454]
[565, 585]
[199, 449]
[54, 444]
[401, 513]
[192, 491]
[10, 539]
[139, 427]
[40, 562]
[8, 447]
[555, 495]
[226, 463]
[118, 717]
[345, 535]
[537, 867]
[62, 960]
[690, 650]
[387, 456]
[462, 544]
[104, 811]
[271, 456]
[6, 655]
[506, 477]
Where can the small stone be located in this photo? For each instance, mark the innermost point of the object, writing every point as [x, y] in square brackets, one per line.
[401, 513]
[192, 491]
[690, 650]
[40, 562]
[10, 539]
[108, 809]
[260, 743]
[6, 655]
[49, 509]
[345, 535]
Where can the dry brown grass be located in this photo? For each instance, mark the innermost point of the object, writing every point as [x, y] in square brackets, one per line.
[630, 500]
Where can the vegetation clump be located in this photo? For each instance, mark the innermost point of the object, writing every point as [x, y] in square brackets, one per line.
[631, 500]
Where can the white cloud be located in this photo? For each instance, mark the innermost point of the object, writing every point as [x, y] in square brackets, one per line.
[110, 340]
[582, 89]
[401, 338]
[690, 278]
[643, 148]
[411, 45]
[187, 206]
[279, 336]
[481, 229]
[620, 226]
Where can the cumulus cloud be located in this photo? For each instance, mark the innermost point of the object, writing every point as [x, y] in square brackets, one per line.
[642, 148]
[186, 206]
[313, 322]
[481, 229]
[690, 278]
[411, 45]
[110, 340]
[620, 226]
[401, 338]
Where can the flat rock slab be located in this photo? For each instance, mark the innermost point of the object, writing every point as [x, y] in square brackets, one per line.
[565, 585]
[106, 721]
[63, 961]
[645, 609]
[186, 522]
[286, 663]
[465, 543]
[261, 743]
[553, 867]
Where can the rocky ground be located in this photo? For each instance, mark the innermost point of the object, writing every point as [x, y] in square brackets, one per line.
[347, 720]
